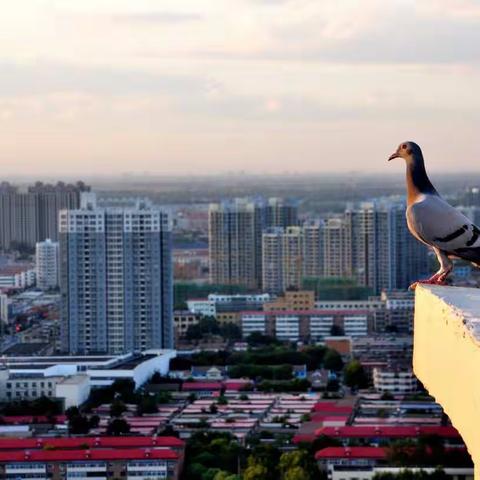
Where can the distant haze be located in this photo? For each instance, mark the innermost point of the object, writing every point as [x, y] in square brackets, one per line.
[105, 87]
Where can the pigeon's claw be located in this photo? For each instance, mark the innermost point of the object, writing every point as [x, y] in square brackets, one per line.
[437, 279]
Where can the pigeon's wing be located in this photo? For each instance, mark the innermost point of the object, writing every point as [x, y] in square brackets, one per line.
[437, 223]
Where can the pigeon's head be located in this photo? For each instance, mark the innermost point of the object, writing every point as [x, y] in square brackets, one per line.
[409, 151]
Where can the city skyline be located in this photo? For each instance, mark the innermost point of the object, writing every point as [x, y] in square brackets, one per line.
[261, 86]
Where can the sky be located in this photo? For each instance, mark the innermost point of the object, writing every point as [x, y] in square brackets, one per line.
[197, 87]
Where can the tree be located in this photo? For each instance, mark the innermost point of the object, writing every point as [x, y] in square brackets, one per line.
[223, 475]
[354, 375]
[296, 473]
[333, 360]
[117, 408]
[230, 331]
[79, 425]
[118, 427]
[147, 404]
[297, 465]
[255, 471]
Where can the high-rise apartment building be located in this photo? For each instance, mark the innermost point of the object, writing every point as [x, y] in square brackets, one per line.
[272, 260]
[292, 258]
[280, 213]
[116, 278]
[282, 259]
[235, 238]
[31, 216]
[384, 255]
[313, 249]
[46, 264]
[337, 249]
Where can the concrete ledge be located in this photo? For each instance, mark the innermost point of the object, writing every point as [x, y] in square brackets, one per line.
[446, 356]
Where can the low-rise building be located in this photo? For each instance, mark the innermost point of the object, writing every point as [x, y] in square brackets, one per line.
[394, 381]
[215, 303]
[293, 300]
[17, 276]
[306, 325]
[102, 370]
[108, 457]
[182, 320]
[72, 389]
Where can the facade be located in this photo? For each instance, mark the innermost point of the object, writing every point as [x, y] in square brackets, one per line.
[306, 326]
[84, 457]
[292, 300]
[313, 249]
[235, 238]
[384, 255]
[216, 304]
[4, 302]
[17, 276]
[28, 217]
[116, 279]
[396, 382]
[72, 389]
[272, 260]
[280, 213]
[392, 350]
[46, 264]
[182, 320]
[337, 257]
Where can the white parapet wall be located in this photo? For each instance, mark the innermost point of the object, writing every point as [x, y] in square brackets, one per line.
[446, 356]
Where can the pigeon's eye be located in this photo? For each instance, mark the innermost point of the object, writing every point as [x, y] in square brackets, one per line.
[404, 146]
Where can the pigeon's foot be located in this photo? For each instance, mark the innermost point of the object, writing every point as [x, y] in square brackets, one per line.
[437, 279]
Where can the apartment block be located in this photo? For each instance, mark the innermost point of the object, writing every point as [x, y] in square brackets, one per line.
[116, 278]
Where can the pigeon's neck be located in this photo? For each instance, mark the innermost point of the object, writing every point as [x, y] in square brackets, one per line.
[418, 182]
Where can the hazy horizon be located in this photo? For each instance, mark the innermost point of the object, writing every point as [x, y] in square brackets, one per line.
[129, 88]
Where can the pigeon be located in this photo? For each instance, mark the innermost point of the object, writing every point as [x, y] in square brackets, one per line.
[433, 221]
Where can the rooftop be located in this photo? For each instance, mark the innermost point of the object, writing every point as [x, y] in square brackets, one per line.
[87, 455]
[351, 452]
[387, 431]
[90, 442]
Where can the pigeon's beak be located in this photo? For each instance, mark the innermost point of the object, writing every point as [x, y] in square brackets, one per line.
[393, 155]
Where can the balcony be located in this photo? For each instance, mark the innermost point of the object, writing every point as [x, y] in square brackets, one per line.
[446, 356]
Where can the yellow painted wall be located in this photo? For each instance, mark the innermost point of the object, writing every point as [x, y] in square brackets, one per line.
[447, 356]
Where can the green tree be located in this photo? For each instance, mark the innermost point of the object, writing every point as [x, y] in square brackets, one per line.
[354, 375]
[333, 360]
[296, 473]
[147, 404]
[117, 427]
[117, 408]
[222, 475]
[255, 471]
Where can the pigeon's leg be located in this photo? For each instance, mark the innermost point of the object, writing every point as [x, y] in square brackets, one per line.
[439, 278]
[446, 267]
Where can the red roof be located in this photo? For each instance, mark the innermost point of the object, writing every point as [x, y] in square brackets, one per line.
[91, 442]
[303, 437]
[373, 453]
[236, 384]
[202, 386]
[390, 431]
[72, 455]
[331, 408]
[23, 419]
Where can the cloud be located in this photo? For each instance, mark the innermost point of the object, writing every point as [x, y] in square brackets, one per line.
[49, 77]
[158, 17]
